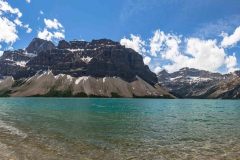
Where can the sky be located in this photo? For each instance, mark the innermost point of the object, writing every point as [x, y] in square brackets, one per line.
[169, 34]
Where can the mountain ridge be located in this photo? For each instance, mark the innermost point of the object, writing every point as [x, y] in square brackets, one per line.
[95, 60]
[194, 83]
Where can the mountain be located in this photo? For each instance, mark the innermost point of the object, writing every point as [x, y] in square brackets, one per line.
[194, 83]
[101, 68]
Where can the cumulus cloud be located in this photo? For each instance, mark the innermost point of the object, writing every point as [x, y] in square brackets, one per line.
[28, 29]
[52, 24]
[9, 23]
[135, 43]
[6, 8]
[231, 40]
[156, 42]
[166, 47]
[41, 12]
[177, 52]
[8, 31]
[205, 54]
[52, 31]
[146, 60]
[199, 54]
[45, 34]
[157, 70]
[1, 53]
[28, 1]
[231, 63]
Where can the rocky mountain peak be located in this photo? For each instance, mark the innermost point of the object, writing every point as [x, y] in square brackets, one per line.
[39, 45]
[192, 72]
[63, 44]
[163, 72]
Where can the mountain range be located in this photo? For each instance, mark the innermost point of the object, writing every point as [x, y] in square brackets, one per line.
[194, 83]
[102, 68]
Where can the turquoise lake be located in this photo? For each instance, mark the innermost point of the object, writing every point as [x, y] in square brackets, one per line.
[118, 129]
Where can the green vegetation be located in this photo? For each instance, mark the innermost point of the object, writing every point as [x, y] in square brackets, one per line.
[5, 93]
[55, 93]
[115, 95]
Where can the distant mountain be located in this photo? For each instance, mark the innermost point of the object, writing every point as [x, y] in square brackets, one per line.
[193, 83]
[101, 68]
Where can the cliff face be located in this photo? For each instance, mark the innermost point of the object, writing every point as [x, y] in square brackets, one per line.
[95, 61]
[99, 58]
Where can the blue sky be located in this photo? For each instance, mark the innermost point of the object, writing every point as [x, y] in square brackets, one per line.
[116, 19]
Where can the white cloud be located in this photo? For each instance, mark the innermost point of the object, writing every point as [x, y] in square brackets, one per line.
[157, 70]
[18, 22]
[135, 43]
[1, 53]
[28, 1]
[59, 35]
[199, 54]
[176, 52]
[156, 42]
[52, 24]
[166, 47]
[26, 26]
[231, 63]
[45, 34]
[28, 29]
[205, 54]
[146, 60]
[6, 8]
[52, 31]
[231, 40]
[41, 12]
[8, 31]
[9, 23]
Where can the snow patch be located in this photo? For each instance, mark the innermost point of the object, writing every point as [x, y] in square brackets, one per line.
[9, 59]
[59, 75]
[173, 79]
[70, 78]
[44, 73]
[198, 79]
[30, 54]
[21, 63]
[75, 50]
[86, 59]
[81, 79]
[104, 79]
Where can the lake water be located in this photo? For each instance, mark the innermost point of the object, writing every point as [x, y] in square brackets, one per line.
[119, 129]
